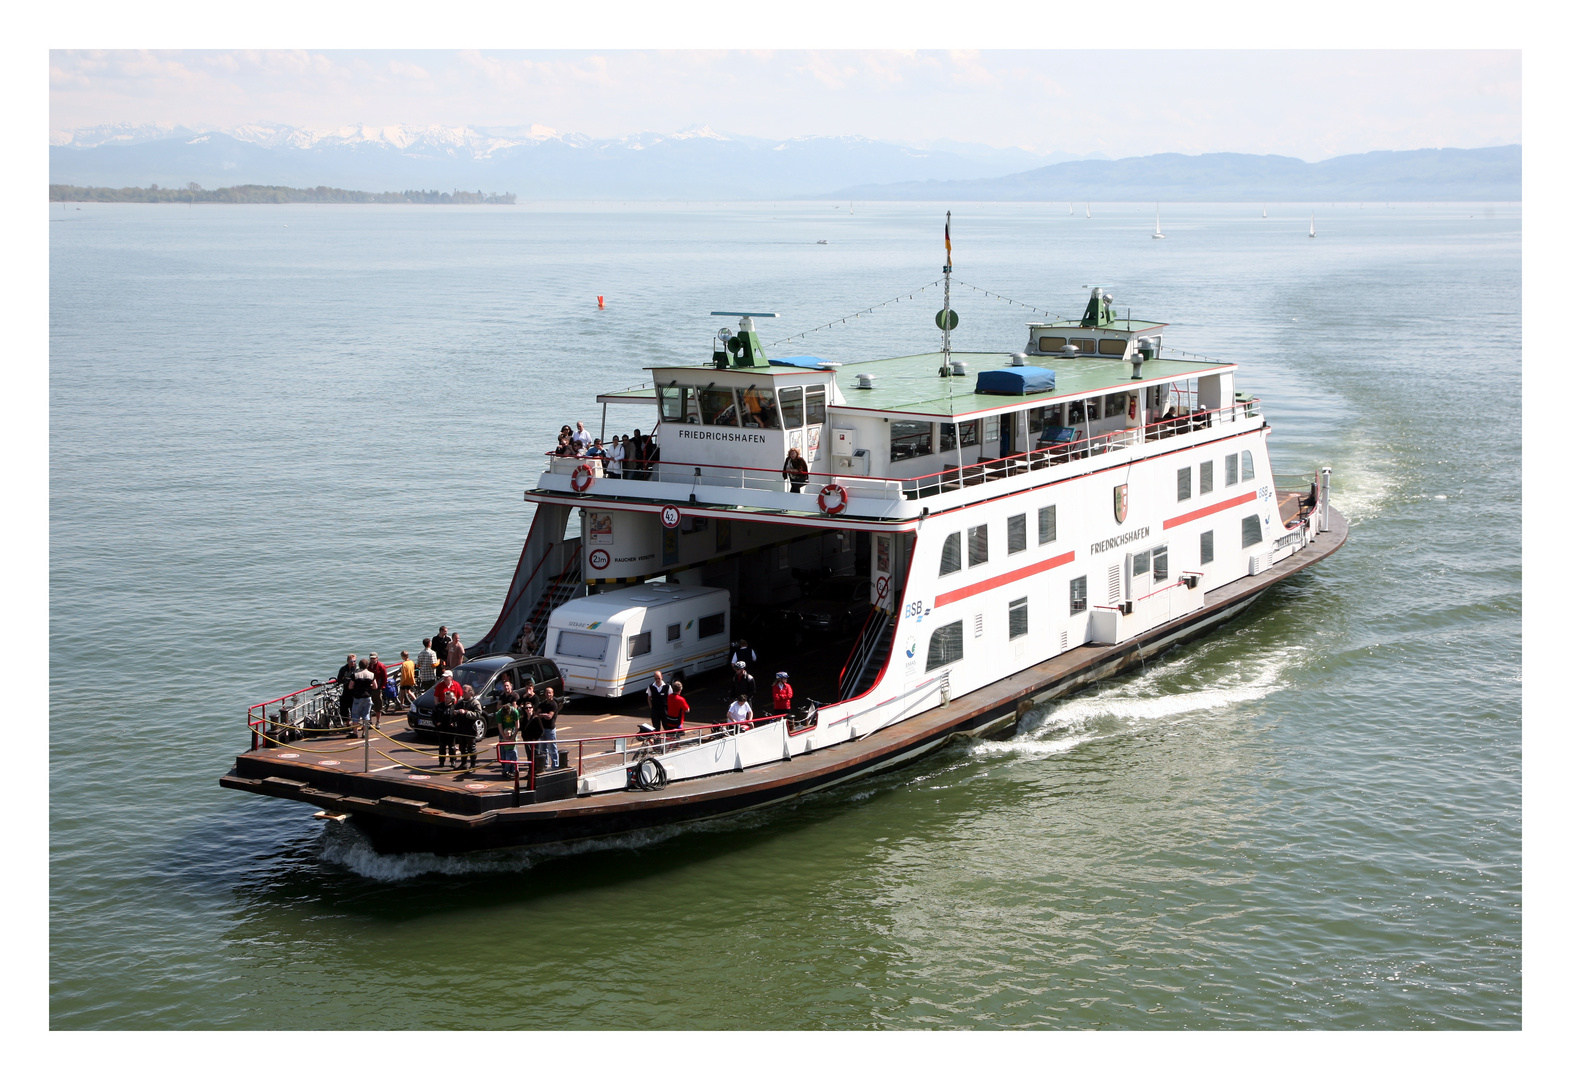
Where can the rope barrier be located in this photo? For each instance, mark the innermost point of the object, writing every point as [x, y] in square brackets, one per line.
[856, 314]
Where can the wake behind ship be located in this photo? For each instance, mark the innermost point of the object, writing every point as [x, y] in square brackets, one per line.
[976, 533]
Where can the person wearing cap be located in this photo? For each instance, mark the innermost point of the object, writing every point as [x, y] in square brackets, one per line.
[742, 682]
[379, 670]
[446, 693]
[781, 693]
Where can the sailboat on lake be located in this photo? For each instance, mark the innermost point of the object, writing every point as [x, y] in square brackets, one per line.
[1311, 225]
[1159, 234]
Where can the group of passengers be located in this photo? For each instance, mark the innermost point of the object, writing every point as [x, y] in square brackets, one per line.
[669, 708]
[628, 457]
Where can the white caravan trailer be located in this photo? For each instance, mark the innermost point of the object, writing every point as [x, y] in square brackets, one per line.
[612, 643]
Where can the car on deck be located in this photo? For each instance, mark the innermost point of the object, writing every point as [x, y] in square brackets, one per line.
[485, 674]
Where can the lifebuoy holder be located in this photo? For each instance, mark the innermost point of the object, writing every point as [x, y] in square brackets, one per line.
[832, 499]
[583, 476]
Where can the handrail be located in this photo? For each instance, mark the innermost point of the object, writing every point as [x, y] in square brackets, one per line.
[521, 589]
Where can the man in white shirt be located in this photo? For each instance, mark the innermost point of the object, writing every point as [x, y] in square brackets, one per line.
[581, 439]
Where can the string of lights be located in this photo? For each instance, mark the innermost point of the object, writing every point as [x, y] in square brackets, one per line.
[1007, 300]
[855, 314]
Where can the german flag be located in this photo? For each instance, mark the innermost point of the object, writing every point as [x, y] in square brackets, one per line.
[949, 253]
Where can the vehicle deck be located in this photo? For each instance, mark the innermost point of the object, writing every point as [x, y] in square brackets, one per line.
[402, 793]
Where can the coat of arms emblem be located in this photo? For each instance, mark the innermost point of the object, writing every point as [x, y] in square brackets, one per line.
[1120, 503]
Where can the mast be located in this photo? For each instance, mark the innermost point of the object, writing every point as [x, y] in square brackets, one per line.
[949, 372]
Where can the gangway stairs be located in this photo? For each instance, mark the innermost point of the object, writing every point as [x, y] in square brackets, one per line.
[869, 656]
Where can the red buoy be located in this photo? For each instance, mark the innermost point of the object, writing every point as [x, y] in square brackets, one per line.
[601, 299]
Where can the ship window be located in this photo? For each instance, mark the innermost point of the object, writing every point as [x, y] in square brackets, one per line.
[1084, 344]
[1077, 596]
[1230, 468]
[1112, 346]
[718, 406]
[710, 625]
[674, 632]
[976, 545]
[758, 409]
[1249, 465]
[639, 644]
[1049, 344]
[1047, 525]
[1018, 622]
[909, 439]
[583, 646]
[1252, 530]
[1207, 474]
[1159, 564]
[1207, 548]
[673, 403]
[946, 646]
[1183, 483]
[1142, 563]
[968, 435]
[949, 561]
[1115, 405]
[1093, 408]
[1017, 533]
[815, 404]
[791, 406]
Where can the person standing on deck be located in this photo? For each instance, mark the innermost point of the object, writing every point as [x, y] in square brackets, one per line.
[455, 651]
[676, 708]
[781, 693]
[446, 692]
[795, 469]
[526, 641]
[425, 665]
[439, 645]
[658, 692]
[616, 455]
[744, 652]
[363, 693]
[465, 715]
[408, 681]
[740, 714]
[635, 457]
[581, 439]
[344, 680]
[507, 735]
[742, 682]
[547, 710]
[379, 670]
[529, 731]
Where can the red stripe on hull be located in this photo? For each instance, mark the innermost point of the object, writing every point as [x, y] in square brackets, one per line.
[1207, 511]
[1003, 579]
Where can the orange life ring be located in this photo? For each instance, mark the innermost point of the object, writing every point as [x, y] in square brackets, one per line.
[583, 476]
[840, 497]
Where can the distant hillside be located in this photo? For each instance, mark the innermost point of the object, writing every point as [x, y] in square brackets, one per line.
[259, 193]
[1484, 175]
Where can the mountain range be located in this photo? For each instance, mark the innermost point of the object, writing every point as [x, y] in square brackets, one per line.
[537, 162]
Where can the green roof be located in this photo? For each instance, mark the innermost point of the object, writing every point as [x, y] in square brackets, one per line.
[911, 384]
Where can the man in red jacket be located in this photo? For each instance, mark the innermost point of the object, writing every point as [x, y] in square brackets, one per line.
[676, 708]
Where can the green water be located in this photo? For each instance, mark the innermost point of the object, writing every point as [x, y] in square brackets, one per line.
[271, 445]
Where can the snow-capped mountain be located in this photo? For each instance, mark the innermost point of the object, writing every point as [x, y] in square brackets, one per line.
[533, 161]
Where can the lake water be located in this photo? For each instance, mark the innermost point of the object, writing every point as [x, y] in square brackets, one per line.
[281, 433]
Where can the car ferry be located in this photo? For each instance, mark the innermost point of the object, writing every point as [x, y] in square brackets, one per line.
[1012, 525]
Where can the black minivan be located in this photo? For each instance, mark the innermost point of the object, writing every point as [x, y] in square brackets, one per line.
[485, 675]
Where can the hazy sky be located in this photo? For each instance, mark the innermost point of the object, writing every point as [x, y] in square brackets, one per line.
[1304, 104]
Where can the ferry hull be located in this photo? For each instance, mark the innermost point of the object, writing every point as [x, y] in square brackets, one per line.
[395, 827]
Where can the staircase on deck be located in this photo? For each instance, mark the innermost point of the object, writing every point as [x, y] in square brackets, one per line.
[869, 655]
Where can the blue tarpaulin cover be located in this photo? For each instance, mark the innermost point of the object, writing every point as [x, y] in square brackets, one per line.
[1014, 380]
[797, 361]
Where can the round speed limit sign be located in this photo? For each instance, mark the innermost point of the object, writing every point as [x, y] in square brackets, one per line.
[670, 516]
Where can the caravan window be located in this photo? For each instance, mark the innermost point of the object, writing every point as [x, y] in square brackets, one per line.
[710, 625]
[583, 646]
[639, 644]
[674, 632]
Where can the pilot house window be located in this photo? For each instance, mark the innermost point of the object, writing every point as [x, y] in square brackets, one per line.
[791, 406]
[815, 405]
[718, 406]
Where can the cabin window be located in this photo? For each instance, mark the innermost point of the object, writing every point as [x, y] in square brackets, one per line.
[1017, 533]
[1207, 476]
[990, 429]
[1047, 525]
[909, 439]
[976, 545]
[710, 625]
[949, 561]
[1077, 596]
[1142, 563]
[673, 403]
[1207, 547]
[1159, 564]
[1112, 346]
[946, 646]
[1115, 405]
[717, 405]
[1084, 344]
[758, 409]
[1252, 530]
[1249, 465]
[583, 646]
[1049, 344]
[674, 632]
[791, 406]
[1183, 483]
[639, 644]
[1077, 413]
[1093, 408]
[1230, 469]
[968, 435]
[1018, 623]
[815, 405]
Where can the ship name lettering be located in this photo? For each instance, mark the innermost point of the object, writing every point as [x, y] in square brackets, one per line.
[703, 434]
[1121, 539]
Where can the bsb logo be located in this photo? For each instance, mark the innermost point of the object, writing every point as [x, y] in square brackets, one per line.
[1120, 503]
[917, 610]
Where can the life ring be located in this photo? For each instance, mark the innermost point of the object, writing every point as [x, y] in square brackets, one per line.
[583, 476]
[832, 493]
